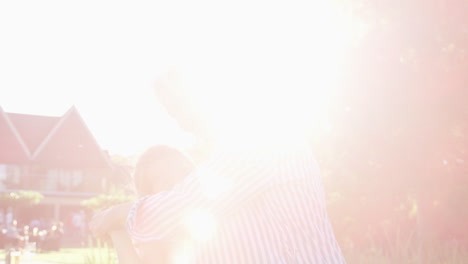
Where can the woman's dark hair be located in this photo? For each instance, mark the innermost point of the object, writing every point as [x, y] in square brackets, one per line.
[159, 168]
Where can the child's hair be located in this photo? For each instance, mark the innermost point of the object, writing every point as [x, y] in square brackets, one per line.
[159, 168]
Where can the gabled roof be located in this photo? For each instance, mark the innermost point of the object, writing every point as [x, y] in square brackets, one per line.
[70, 143]
[53, 141]
[12, 148]
[33, 128]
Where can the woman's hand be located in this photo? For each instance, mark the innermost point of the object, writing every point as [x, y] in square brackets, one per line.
[110, 219]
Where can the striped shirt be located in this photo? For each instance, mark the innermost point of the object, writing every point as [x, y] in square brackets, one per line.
[264, 207]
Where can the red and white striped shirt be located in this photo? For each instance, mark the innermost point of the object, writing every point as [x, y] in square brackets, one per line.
[268, 207]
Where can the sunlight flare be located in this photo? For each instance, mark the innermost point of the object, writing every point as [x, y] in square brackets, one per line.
[270, 78]
[213, 186]
[200, 224]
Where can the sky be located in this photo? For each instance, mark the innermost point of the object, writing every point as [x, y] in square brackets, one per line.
[105, 57]
[102, 57]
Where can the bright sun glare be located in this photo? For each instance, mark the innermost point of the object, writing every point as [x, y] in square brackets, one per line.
[200, 224]
[282, 69]
[274, 61]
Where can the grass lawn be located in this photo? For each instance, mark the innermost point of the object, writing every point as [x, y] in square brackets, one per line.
[411, 256]
[106, 256]
[71, 256]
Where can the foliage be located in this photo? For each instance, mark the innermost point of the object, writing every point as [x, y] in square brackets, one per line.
[123, 160]
[100, 253]
[395, 160]
[104, 201]
[20, 198]
[119, 188]
[434, 254]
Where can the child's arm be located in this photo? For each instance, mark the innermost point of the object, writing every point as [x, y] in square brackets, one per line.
[155, 252]
[109, 220]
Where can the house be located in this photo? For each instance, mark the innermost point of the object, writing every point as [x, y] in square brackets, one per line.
[56, 156]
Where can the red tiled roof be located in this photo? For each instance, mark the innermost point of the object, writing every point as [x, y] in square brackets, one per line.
[51, 141]
[33, 128]
[71, 144]
[11, 149]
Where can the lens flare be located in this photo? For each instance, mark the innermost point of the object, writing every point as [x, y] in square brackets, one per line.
[271, 78]
[200, 224]
[213, 186]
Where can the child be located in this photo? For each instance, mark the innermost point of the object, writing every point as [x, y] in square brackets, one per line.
[158, 169]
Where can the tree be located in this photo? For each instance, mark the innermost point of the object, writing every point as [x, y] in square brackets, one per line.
[399, 147]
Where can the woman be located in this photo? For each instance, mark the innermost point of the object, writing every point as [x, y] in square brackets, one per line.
[263, 196]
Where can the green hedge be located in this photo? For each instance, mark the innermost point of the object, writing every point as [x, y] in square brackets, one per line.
[19, 198]
[104, 201]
